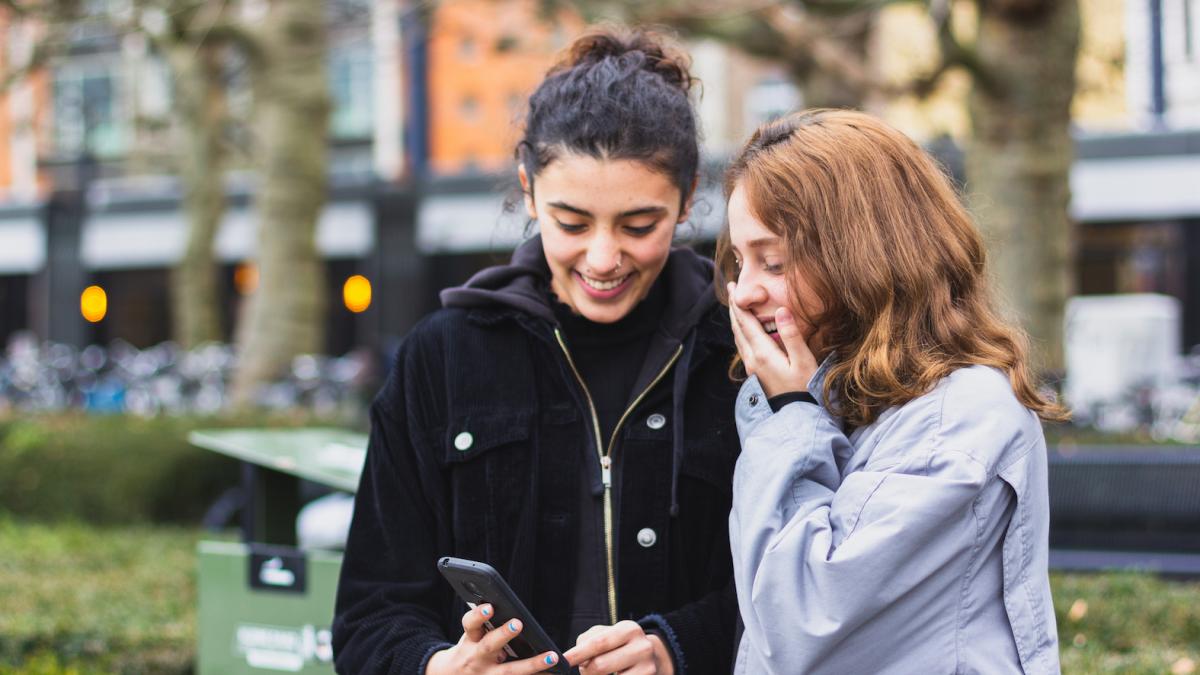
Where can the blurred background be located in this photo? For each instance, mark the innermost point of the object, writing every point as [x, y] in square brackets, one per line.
[227, 213]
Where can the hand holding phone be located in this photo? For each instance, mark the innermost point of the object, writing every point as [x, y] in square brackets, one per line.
[481, 650]
[497, 630]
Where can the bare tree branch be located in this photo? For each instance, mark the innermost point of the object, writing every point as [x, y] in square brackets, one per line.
[805, 37]
[11, 76]
[953, 52]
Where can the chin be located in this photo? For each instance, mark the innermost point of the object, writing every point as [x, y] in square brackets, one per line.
[602, 313]
[605, 315]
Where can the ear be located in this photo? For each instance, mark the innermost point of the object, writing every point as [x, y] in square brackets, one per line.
[527, 192]
[687, 203]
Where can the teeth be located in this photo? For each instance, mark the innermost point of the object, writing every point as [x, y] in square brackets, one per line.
[770, 327]
[603, 285]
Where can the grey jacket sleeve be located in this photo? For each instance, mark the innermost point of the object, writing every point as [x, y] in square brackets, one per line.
[843, 559]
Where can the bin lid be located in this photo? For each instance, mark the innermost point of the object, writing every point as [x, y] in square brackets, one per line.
[329, 456]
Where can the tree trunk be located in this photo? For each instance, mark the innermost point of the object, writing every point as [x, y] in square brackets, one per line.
[291, 94]
[1019, 159]
[200, 115]
[825, 89]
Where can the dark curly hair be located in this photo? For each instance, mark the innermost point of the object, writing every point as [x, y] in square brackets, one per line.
[616, 94]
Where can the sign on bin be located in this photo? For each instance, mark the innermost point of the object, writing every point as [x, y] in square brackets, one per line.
[265, 609]
[277, 568]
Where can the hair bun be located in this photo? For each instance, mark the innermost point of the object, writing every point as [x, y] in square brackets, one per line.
[658, 53]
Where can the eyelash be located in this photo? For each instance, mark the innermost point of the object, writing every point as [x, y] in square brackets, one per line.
[770, 269]
[572, 228]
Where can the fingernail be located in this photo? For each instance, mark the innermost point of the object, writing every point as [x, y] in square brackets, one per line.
[512, 626]
[486, 611]
[783, 316]
[550, 659]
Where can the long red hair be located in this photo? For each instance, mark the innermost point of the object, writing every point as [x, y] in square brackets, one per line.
[880, 234]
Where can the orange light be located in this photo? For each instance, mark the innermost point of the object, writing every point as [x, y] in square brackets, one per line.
[356, 293]
[245, 278]
[93, 304]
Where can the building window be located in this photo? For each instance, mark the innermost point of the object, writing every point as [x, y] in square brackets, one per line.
[1189, 30]
[87, 111]
[468, 50]
[469, 108]
[352, 89]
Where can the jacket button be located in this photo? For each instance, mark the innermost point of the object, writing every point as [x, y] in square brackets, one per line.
[656, 421]
[646, 537]
[753, 399]
[464, 441]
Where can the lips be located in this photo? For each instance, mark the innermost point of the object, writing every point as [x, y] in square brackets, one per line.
[604, 285]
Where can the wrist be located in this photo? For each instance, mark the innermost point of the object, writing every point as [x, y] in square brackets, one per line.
[777, 401]
[436, 664]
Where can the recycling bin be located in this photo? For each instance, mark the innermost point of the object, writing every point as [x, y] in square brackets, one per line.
[265, 605]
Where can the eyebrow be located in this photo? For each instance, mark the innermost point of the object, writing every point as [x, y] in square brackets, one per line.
[641, 211]
[762, 241]
[756, 243]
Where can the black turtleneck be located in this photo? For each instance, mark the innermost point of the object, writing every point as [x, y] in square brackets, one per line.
[609, 356]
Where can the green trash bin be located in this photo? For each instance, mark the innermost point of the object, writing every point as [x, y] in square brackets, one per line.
[265, 605]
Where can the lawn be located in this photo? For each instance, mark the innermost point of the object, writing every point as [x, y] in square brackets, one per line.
[82, 600]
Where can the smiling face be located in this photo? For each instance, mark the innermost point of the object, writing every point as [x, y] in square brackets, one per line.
[606, 227]
[763, 275]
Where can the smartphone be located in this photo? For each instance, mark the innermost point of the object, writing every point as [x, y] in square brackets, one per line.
[478, 583]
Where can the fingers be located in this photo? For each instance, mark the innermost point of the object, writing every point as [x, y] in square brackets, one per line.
[495, 640]
[622, 648]
[794, 344]
[472, 622]
[739, 340]
[755, 336]
[601, 640]
[534, 664]
[636, 656]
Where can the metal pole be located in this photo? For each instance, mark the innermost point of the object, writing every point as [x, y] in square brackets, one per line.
[1158, 95]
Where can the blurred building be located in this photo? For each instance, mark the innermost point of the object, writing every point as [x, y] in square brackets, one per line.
[87, 192]
[1135, 182]
[1163, 62]
[426, 114]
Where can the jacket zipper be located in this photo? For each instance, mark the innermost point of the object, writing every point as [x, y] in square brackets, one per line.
[605, 456]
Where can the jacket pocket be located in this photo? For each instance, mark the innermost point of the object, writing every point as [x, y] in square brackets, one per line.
[711, 461]
[471, 435]
[489, 460]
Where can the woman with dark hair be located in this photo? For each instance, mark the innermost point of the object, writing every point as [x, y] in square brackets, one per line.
[565, 418]
[890, 509]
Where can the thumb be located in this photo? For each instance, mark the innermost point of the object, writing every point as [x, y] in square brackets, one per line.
[789, 333]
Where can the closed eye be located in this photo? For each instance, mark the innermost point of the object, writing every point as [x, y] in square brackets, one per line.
[641, 231]
[571, 228]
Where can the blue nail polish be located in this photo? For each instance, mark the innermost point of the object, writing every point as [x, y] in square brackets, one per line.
[549, 659]
[512, 625]
[486, 612]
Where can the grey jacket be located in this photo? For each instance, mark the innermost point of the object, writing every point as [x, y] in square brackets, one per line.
[918, 544]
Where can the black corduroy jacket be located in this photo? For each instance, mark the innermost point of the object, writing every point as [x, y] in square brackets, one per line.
[478, 441]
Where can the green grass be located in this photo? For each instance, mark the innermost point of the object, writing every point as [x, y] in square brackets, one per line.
[1133, 623]
[83, 600]
[79, 599]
